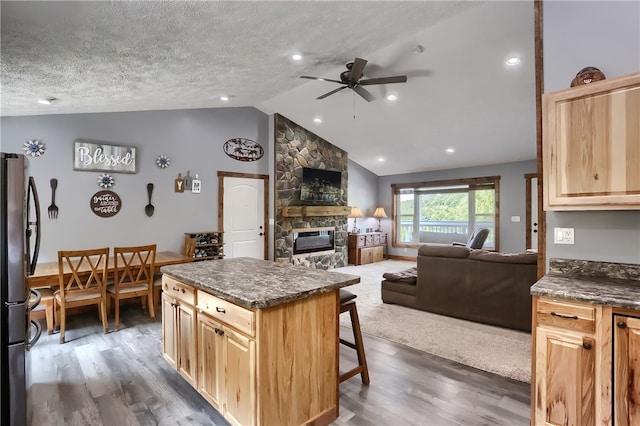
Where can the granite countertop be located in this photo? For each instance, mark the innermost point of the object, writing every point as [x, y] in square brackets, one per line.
[255, 283]
[604, 283]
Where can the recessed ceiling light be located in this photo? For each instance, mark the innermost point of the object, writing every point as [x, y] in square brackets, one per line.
[381, 159]
[392, 97]
[513, 61]
[47, 101]
[224, 98]
[296, 56]
[450, 150]
[317, 120]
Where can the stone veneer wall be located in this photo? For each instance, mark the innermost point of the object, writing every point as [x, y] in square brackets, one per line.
[295, 148]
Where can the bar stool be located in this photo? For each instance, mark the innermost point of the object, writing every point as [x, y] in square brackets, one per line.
[348, 304]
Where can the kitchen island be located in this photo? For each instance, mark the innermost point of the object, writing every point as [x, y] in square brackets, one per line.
[258, 339]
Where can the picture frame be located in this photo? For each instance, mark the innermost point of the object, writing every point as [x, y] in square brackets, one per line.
[97, 156]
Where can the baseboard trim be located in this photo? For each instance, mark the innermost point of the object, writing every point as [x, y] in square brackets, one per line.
[408, 258]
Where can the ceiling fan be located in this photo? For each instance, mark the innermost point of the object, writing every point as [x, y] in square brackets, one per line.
[352, 79]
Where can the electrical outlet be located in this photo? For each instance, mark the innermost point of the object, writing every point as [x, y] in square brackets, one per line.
[563, 235]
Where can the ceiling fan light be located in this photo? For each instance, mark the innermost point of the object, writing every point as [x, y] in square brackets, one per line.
[450, 150]
[392, 98]
[224, 98]
[296, 57]
[317, 120]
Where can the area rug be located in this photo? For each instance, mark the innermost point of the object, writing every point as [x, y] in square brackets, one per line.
[497, 350]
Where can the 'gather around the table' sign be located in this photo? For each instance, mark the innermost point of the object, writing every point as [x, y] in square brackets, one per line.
[105, 203]
[89, 155]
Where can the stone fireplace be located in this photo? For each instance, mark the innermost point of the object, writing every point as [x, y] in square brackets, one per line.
[295, 148]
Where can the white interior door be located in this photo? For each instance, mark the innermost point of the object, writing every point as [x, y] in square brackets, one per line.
[243, 217]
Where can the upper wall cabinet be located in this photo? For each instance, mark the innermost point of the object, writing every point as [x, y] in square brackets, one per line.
[591, 146]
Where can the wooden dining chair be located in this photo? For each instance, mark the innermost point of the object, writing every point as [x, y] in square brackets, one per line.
[82, 278]
[133, 277]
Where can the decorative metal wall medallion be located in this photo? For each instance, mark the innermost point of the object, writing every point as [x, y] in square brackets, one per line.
[242, 149]
[105, 203]
[106, 181]
[34, 148]
[163, 161]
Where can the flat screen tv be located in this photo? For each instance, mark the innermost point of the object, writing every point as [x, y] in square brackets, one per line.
[320, 186]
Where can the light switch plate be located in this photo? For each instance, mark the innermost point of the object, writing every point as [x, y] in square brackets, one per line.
[563, 235]
[515, 218]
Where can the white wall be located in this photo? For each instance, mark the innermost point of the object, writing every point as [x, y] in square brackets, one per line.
[604, 34]
[192, 139]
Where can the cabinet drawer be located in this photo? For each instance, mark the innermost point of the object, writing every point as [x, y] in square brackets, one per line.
[236, 316]
[178, 290]
[360, 241]
[568, 315]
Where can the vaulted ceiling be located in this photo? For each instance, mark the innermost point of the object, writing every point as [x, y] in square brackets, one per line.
[133, 56]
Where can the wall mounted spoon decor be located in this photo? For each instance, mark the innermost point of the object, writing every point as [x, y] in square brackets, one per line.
[148, 209]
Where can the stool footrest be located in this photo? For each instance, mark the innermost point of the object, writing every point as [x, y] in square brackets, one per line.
[349, 344]
[349, 374]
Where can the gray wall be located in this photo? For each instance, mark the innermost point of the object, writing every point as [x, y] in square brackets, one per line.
[192, 139]
[363, 193]
[512, 198]
[604, 34]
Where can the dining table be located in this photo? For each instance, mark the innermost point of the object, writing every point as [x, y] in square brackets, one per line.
[46, 273]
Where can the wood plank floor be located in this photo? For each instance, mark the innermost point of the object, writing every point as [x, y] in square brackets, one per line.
[120, 378]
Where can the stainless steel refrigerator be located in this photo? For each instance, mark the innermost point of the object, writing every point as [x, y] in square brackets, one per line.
[19, 246]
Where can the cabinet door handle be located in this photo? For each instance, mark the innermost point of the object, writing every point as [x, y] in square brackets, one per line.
[622, 324]
[586, 345]
[220, 310]
[555, 314]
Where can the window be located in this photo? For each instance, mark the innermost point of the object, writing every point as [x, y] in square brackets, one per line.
[442, 212]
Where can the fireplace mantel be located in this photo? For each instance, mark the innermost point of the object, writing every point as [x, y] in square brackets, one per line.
[295, 211]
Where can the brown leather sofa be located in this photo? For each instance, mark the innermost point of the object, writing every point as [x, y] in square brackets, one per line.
[475, 285]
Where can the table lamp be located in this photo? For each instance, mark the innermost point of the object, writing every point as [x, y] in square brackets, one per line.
[379, 213]
[355, 214]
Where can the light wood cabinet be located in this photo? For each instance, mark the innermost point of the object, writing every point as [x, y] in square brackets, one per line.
[591, 146]
[366, 248]
[210, 361]
[565, 389]
[626, 372]
[585, 364]
[179, 327]
[226, 369]
[240, 368]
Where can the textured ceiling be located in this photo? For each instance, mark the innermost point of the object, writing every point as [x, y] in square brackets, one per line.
[132, 56]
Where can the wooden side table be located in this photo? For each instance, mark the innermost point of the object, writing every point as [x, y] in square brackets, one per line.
[367, 247]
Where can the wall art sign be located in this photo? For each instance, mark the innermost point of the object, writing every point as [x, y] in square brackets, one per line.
[92, 155]
[243, 149]
[105, 203]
